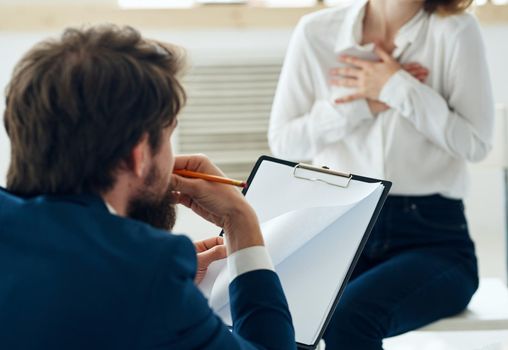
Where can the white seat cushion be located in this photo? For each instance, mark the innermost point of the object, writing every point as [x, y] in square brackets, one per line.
[488, 310]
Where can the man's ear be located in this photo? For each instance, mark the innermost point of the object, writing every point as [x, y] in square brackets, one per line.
[140, 156]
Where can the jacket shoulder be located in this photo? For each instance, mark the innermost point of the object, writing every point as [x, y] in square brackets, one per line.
[175, 250]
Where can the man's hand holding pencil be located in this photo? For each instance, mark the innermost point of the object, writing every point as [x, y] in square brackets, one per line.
[223, 205]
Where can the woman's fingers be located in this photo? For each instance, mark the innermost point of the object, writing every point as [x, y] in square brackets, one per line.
[355, 61]
[383, 55]
[345, 72]
[349, 98]
[416, 70]
[347, 82]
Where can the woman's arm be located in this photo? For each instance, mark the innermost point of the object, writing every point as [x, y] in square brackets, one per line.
[300, 123]
[462, 124]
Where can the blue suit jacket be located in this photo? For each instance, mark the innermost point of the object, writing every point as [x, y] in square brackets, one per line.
[73, 276]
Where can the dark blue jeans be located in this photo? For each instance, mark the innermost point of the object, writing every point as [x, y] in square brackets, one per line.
[418, 266]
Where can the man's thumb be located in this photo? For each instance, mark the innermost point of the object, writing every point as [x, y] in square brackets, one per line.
[213, 254]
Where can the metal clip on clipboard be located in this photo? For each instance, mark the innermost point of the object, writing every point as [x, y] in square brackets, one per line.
[324, 174]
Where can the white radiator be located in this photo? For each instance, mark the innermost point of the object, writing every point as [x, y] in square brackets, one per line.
[227, 113]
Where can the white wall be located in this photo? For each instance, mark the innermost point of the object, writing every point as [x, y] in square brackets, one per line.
[485, 205]
[209, 46]
[496, 42]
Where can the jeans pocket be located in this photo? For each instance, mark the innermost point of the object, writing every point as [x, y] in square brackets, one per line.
[446, 218]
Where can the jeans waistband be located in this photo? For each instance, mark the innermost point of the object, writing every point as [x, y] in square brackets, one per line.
[434, 199]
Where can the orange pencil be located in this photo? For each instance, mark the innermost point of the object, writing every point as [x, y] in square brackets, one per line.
[207, 177]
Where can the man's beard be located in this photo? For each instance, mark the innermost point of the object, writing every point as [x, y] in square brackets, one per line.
[154, 207]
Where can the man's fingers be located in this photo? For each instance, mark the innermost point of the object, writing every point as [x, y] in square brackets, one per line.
[209, 243]
[197, 162]
[209, 256]
[184, 200]
[190, 187]
[193, 162]
[199, 210]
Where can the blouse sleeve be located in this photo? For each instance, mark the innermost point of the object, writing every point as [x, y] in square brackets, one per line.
[300, 123]
[463, 123]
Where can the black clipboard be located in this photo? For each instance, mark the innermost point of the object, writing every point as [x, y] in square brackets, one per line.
[348, 177]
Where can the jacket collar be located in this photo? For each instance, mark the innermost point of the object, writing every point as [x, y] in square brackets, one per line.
[89, 200]
[84, 199]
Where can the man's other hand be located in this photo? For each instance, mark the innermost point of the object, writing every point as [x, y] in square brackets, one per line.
[208, 251]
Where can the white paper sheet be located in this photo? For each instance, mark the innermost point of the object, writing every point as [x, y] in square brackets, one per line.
[312, 231]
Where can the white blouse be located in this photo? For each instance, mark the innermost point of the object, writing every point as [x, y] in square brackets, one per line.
[422, 143]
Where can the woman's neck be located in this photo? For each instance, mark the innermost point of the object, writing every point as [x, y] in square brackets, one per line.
[384, 18]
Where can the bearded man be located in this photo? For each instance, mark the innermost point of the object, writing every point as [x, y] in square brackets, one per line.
[86, 259]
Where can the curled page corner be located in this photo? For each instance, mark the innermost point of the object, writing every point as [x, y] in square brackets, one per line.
[288, 223]
[284, 235]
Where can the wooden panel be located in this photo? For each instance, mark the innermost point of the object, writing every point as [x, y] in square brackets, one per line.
[56, 17]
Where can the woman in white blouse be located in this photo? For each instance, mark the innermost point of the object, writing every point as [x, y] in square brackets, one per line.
[415, 116]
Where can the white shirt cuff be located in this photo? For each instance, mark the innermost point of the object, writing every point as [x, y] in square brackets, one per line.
[249, 259]
[395, 91]
[329, 118]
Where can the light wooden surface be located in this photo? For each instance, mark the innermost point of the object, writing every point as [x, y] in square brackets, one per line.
[25, 17]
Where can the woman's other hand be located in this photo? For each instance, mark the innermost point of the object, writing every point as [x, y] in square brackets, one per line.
[369, 78]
